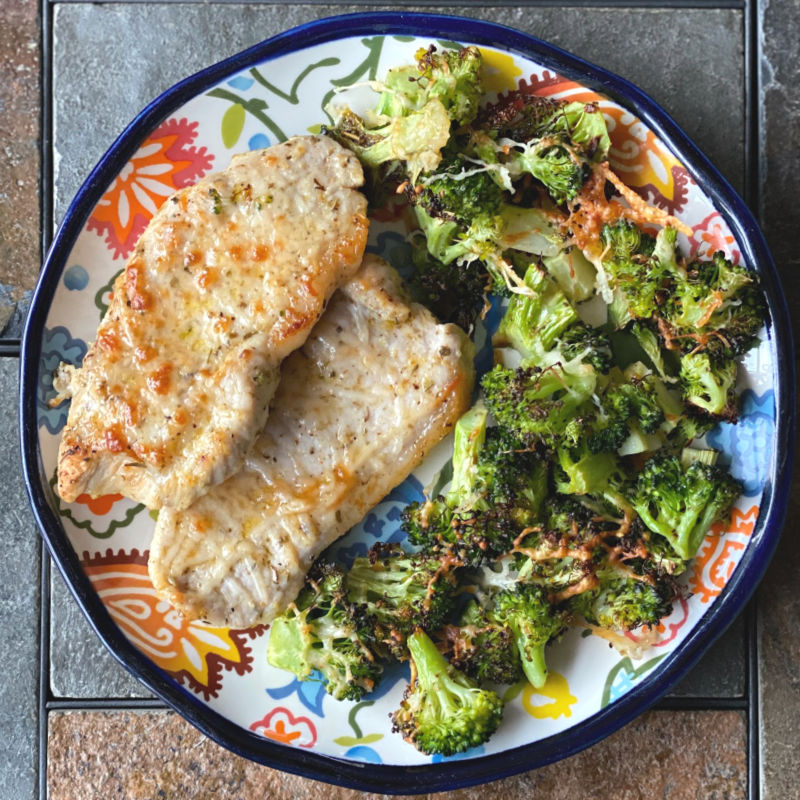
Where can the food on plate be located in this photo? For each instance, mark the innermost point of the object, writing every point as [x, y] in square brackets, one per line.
[443, 711]
[580, 486]
[375, 386]
[227, 280]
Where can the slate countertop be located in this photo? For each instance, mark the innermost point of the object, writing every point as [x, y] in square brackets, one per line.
[75, 724]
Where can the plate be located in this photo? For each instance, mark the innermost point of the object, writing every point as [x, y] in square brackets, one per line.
[218, 678]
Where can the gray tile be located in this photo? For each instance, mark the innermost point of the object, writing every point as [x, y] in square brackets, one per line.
[80, 664]
[105, 72]
[722, 670]
[780, 150]
[19, 601]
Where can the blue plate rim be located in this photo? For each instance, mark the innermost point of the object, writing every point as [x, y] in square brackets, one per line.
[388, 778]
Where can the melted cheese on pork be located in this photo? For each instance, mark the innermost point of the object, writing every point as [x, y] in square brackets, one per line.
[376, 385]
[228, 279]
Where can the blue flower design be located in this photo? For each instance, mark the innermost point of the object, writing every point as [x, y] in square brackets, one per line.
[623, 683]
[76, 278]
[748, 444]
[57, 346]
[258, 141]
[310, 692]
[471, 753]
[241, 83]
[363, 753]
[381, 524]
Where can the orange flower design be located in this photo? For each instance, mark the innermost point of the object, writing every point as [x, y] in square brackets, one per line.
[164, 163]
[192, 652]
[720, 552]
[282, 726]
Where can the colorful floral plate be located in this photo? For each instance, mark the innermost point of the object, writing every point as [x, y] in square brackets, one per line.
[219, 678]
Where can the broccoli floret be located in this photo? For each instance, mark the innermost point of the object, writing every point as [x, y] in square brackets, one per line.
[497, 490]
[527, 611]
[552, 141]
[636, 399]
[533, 322]
[457, 192]
[709, 384]
[512, 593]
[449, 240]
[414, 141]
[398, 592]
[634, 270]
[623, 603]
[716, 307]
[682, 504]
[581, 471]
[483, 649]
[451, 76]
[322, 631]
[556, 166]
[704, 297]
[443, 711]
[537, 405]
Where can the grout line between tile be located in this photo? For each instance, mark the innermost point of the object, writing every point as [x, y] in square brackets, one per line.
[44, 666]
[605, 4]
[46, 230]
[106, 704]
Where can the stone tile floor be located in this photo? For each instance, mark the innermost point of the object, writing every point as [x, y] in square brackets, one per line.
[100, 70]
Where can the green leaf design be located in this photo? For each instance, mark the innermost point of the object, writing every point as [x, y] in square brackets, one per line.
[86, 525]
[291, 95]
[232, 125]
[625, 665]
[350, 741]
[102, 292]
[359, 738]
[366, 70]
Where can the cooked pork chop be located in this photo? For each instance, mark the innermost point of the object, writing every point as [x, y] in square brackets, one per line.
[377, 384]
[227, 280]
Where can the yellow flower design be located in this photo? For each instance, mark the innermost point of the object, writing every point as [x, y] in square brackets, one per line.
[557, 691]
[500, 72]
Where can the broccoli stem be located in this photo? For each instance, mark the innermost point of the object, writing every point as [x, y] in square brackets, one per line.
[532, 656]
[470, 434]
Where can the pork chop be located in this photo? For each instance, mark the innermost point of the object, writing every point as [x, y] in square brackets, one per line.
[376, 385]
[227, 280]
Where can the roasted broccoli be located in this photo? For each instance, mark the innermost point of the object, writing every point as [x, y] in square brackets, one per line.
[623, 603]
[708, 383]
[443, 711]
[413, 142]
[396, 592]
[451, 76]
[533, 322]
[454, 294]
[497, 490]
[682, 504]
[483, 649]
[552, 141]
[538, 405]
[322, 632]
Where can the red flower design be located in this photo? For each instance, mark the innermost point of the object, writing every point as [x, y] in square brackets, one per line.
[282, 726]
